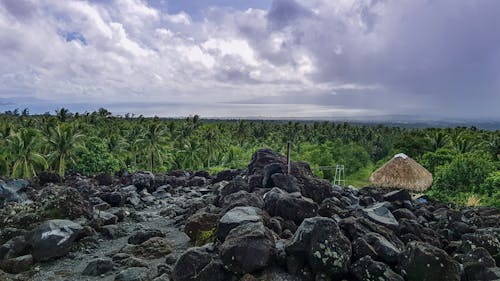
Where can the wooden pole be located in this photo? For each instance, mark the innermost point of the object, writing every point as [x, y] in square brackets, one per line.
[288, 165]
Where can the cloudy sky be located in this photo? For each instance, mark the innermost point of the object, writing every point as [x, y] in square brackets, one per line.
[241, 58]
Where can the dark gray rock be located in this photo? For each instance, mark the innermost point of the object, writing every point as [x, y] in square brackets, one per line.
[133, 274]
[289, 206]
[380, 214]
[236, 217]
[248, 248]
[98, 266]
[397, 195]
[143, 180]
[198, 264]
[387, 251]
[268, 171]
[288, 183]
[424, 262]
[53, 239]
[17, 265]
[367, 269]
[143, 235]
[320, 241]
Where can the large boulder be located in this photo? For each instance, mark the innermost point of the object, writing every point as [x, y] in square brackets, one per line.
[424, 262]
[387, 251]
[198, 264]
[366, 269]
[288, 183]
[320, 241]
[270, 170]
[290, 206]
[235, 217]
[261, 158]
[49, 177]
[248, 248]
[200, 222]
[314, 188]
[53, 239]
[380, 214]
[98, 266]
[143, 180]
[241, 198]
[13, 191]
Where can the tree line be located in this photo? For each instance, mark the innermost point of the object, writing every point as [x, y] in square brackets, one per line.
[462, 159]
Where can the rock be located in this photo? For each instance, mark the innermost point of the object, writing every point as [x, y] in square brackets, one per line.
[477, 255]
[49, 177]
[163, 277]
[144, 235]
[290, 206]
[301, 169]
[387, 251]
[248, 248]
[314, 188]
[153, 248]
[198, 264]
[424, 262]
[115, 199]
[200, 222]
[397, 195]
[104, 179]
[488, 241]
[15, 247]
[143, 180]
[288, 183]
[378, 213]
[367, 269]
[235, 185]
[261, 158]
[197, 181]
[53, 239]
[226, 175]
[102, 218]
[478, 271]
[17, 265]
[361, 248]
[268, 171]
[403, 213]
[112, 231]
[98, 266]
[133, 274]
[13, 191]
[241, 198]
[331, 207]
[236, 217]
[320, 241]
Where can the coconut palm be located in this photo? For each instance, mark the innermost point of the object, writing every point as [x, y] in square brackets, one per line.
[24, 150]
[153, 144]
[62, 144]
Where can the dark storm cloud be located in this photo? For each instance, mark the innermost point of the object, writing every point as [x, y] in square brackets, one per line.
[444, 52]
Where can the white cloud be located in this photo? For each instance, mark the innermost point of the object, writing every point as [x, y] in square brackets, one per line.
[366, 52]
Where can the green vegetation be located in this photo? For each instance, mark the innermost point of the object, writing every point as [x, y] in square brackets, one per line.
[464, 161]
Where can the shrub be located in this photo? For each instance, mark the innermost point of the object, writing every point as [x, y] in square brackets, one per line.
[465, 173]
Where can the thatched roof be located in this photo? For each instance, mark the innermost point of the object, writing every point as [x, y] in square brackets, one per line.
[402, 172]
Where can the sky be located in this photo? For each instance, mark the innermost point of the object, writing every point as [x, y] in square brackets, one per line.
[259, 58]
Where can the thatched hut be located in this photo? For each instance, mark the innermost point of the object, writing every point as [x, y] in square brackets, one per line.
[402, 172]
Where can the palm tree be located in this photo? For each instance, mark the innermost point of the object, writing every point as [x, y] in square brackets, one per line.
[63, 114]
[24, 150]
[62, 143]
[212, 145]
[438, 140]
[153, 143]
[191, 154]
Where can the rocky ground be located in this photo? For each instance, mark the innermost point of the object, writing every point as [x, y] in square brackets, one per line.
[253, 224]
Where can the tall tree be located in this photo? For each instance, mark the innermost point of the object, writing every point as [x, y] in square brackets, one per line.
[24, 149]
[62, 143]
[153, 143]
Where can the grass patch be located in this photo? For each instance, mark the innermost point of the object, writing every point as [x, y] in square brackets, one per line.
[361, 177]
